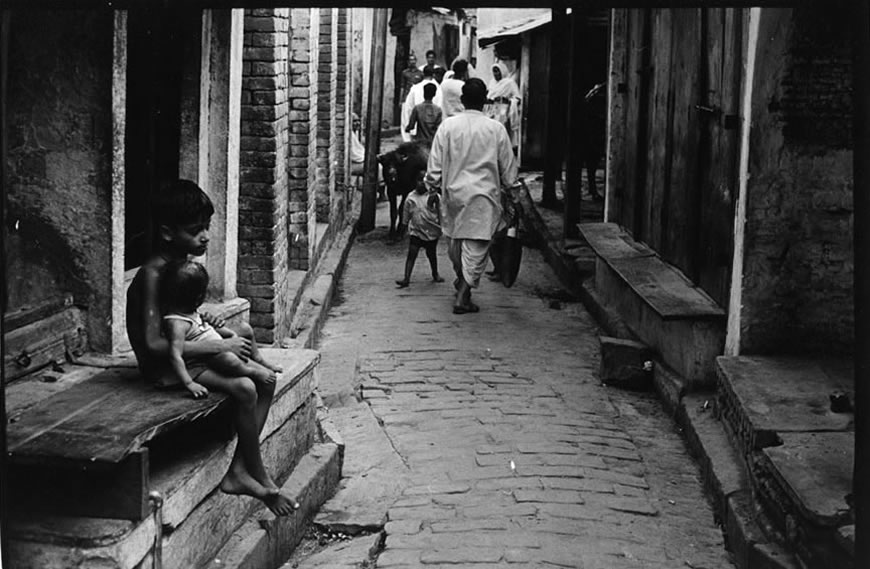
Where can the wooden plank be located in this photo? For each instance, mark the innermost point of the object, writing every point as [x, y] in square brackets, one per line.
[610, 241]
[665, 289]
[109, 415]
[30, 314]
[616, 127]
[680, 237]
[37, 344]
[658, 148]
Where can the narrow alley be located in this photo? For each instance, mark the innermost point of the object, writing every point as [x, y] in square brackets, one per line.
[486, 440]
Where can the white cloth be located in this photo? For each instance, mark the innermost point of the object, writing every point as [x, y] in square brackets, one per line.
[507, 88]
[414, 98]
[451, 91]
[423, 222]
[357, 150]
[469, 258]
[470, 161]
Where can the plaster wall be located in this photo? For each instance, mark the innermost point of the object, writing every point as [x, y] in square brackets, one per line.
[798, 257]
[59, 199]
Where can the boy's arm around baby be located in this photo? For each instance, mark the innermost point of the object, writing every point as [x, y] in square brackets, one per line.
[157, 345]
[175, 333]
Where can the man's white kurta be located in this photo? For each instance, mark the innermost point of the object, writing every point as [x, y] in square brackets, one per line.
[470, 161]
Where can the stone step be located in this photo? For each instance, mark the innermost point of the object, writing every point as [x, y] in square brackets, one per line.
[663, 308]
[197, 518]
[264, 541]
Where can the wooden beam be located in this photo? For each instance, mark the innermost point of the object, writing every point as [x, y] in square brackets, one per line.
[577, 137]
[373, 121]
[554, 153]
[861, 209]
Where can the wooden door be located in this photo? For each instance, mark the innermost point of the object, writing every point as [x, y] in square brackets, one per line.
[718, 151]
[681, 138]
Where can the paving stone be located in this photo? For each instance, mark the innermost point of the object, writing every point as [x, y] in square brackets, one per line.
[457, 398]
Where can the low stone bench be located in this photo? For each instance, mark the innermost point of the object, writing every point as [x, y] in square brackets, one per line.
[663, 308]
[86, 448]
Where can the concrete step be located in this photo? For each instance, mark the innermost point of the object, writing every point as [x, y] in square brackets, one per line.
[264, 541]
[197, 517]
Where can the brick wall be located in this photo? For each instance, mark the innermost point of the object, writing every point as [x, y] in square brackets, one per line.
[263, 197]
[798, 265]
[325, 106]
[342, 61]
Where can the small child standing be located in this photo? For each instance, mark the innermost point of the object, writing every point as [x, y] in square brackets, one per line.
[183, 287]
[424, 227]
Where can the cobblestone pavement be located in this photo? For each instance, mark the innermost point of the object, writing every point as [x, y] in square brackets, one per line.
[512, 452]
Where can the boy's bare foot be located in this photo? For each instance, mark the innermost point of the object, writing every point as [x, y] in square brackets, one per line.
[437, 279]
[240, 482]
[262, 361]
[279, 504]
[402, 284]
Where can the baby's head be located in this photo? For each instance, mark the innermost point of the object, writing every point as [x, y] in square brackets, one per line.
[183, 286]
[181, 213]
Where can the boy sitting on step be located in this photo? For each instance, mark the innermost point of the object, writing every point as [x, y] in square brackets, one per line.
[182, 214]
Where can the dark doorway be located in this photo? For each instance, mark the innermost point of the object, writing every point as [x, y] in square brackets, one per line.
[154, 74]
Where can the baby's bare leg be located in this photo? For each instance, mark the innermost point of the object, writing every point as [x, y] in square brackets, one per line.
[231, 365]
[245, 331]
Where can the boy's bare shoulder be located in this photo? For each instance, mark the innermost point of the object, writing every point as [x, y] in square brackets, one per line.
[149, 272]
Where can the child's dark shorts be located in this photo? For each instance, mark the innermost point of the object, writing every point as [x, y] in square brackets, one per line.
[423, 243]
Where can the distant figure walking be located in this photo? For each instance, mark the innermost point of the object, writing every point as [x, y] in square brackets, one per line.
[451, 89]
[414, 98]
[470, 163]
[504, 102]
[437, 70]
[425, 117]
[423, 217]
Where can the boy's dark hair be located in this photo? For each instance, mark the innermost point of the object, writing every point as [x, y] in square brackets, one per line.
[474, 93]
[180, 203]
[429, 90]
[430, 52]
[428, 72]
[460, 66]
[183, 286]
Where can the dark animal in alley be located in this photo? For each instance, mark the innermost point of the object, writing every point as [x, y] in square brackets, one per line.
[401, 168]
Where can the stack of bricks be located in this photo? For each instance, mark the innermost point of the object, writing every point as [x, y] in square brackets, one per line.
[263, 237]
[303, 107]
[325, 102]
[342, 51]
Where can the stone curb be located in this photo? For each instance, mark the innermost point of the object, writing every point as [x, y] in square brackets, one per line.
[704, 434]
[317, 296]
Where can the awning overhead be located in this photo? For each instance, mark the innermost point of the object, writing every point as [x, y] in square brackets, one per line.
[495, 34]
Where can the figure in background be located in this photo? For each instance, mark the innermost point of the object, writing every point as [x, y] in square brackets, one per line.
[437, 70]
[504, 102]
[451, 88]
[425, 117]
[414, 98]
[411, 75]
[469, 165]
[358, 156]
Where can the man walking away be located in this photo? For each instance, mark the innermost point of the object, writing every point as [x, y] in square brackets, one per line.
[451, 89]
[470, 163]
[415, 97]
[425, 117]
